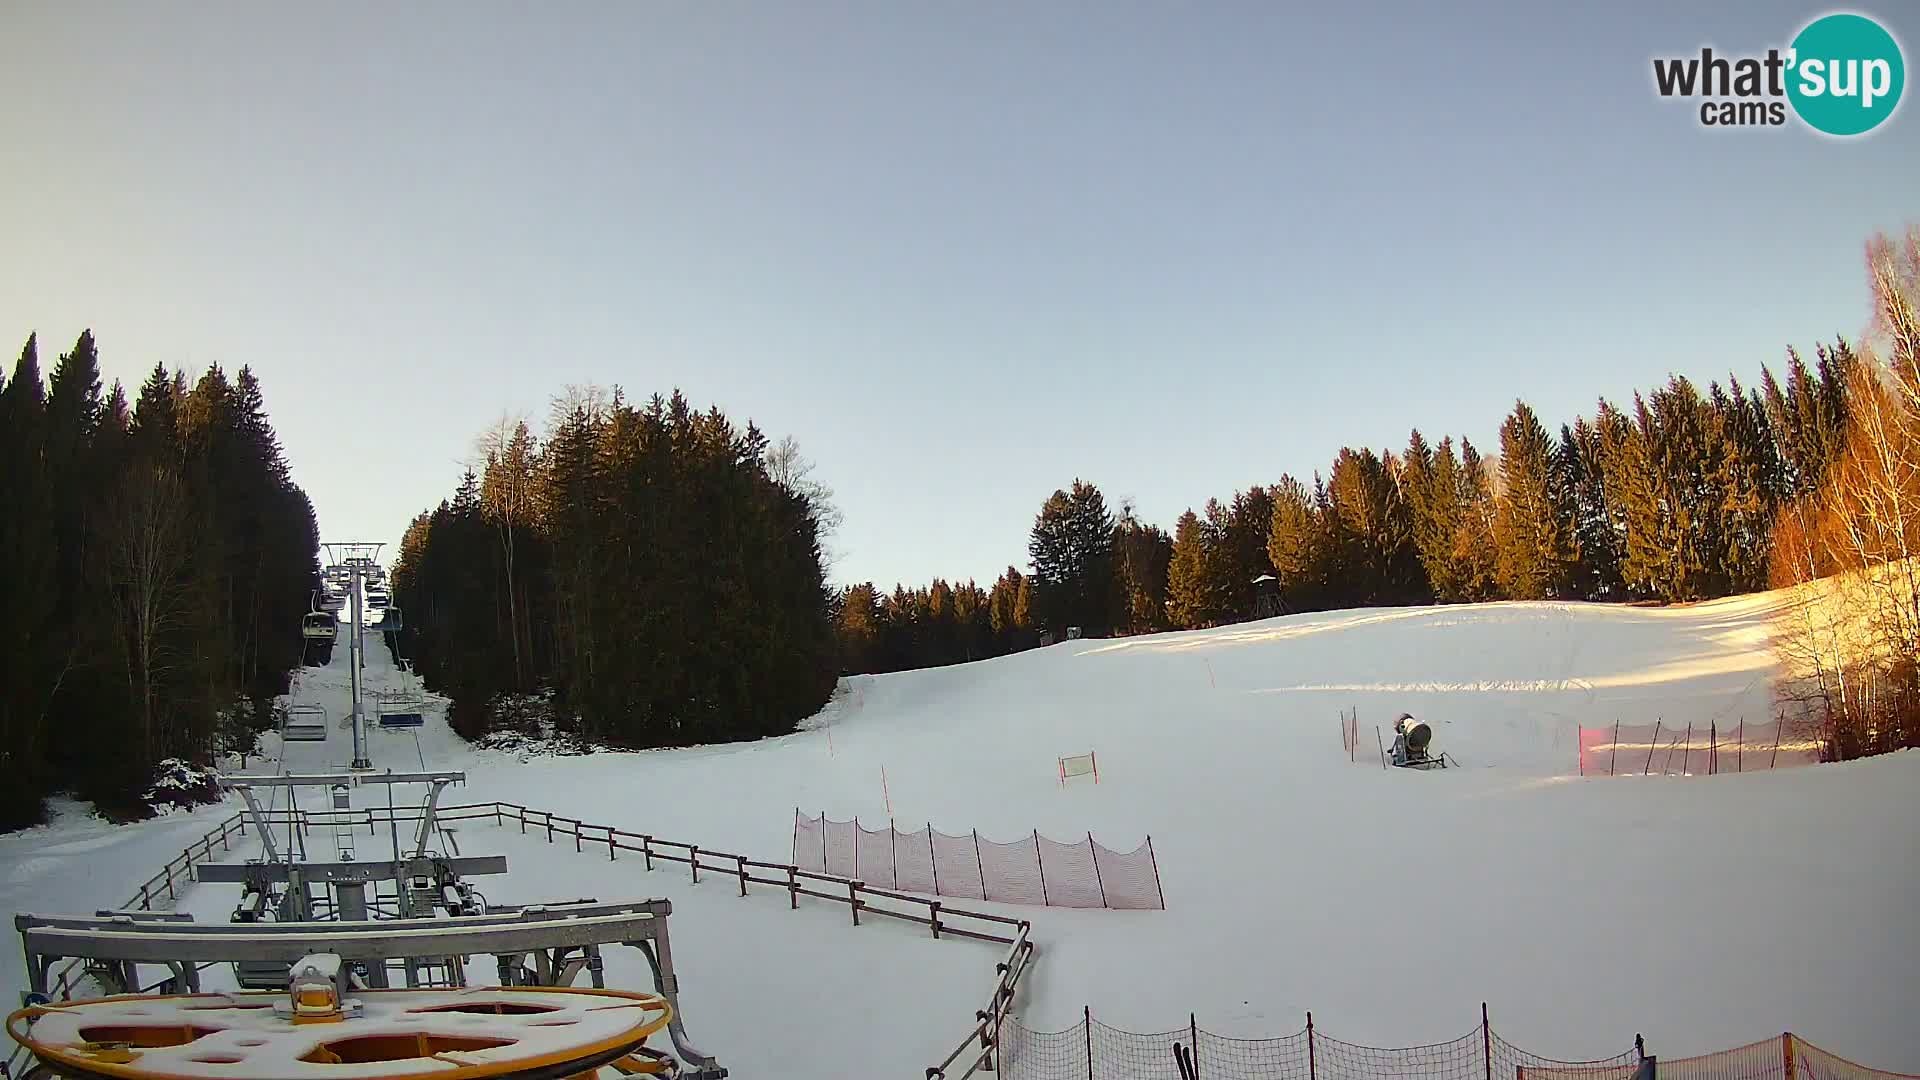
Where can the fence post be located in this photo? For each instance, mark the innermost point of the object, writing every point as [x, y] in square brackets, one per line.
[1041, 863]
[796, 837]
[693, 860]
[980, 866]
[931, 861]
[823, 835]
[1193, 1042]
[1095, 853]
[1486, 1041]
[893, 852]
[610, 855]
[743, 874]
[1686, 754]
[577, 826]
[1382, 744]
[793, 888]
[1615, 752]
[549, 817]
[853, 900]
[1162, 893]
[646, 849]
[856, 845]
[1086, 1025]
[933, 917]
[1775, 760]
[1740, 747]
[496, 813]
[1651, 744]
[1713, 746]
[1786, 1053]
[1313, 1067]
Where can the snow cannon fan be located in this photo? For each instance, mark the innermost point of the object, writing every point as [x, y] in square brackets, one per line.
[1418, 736]
[1411, 738]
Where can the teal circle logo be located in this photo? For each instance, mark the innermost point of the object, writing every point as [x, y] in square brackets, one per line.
[1846, 74]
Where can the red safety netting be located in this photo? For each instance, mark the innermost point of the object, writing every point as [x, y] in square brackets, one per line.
[1032, 870]
[873, 856]
[810, 843]
[1091, 1048]
[1661, 749]
[1763, 1060]
[913, 862]
[1073, 878]
[1013, 872]
[956, 866]
[840, 848]
[1812, 1063]
[1131, 879]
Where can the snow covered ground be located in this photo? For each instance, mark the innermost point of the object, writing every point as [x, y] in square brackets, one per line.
[1705, 912]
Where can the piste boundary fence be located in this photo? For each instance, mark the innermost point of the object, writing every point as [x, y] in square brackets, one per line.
[1034, 870]
[1662, 749]
[1089, 1049]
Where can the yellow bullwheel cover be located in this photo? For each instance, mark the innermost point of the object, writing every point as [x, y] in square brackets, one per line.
[464, 1034]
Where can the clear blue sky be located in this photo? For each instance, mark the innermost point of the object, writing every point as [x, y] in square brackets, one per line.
[963, 252]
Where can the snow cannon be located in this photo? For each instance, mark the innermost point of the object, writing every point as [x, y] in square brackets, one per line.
[1411, 740]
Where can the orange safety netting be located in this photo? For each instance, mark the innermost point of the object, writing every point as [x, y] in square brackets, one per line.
[1033, 870]
[1661, 749]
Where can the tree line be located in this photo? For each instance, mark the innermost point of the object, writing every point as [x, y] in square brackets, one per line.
[656, 567]
[1674, 496]
[1845, 548]
[156, 559]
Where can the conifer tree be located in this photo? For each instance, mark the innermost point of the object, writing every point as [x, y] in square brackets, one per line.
[1579, 472]
[1072, 551]
[1142, 554]
[1195, 597]
[1300, 545]
[27, 560]
[1248, 528]
[1532, 532]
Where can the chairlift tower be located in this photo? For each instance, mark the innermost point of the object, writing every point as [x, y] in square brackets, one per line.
[357, 557]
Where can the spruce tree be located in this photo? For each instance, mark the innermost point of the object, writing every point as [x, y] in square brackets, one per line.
[1071, 546]
[1300, 545]
[27, 561]
[1142, 555]
[1580, 474]
[1194, 579]
[1533, 529]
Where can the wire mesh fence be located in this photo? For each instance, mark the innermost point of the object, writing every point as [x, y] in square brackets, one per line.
[1662, 749]
[1034, 870]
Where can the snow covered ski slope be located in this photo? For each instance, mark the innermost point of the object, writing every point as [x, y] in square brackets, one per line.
[1704, 912]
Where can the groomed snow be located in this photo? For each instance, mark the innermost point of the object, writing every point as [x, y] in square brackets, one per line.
[1705, 912]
